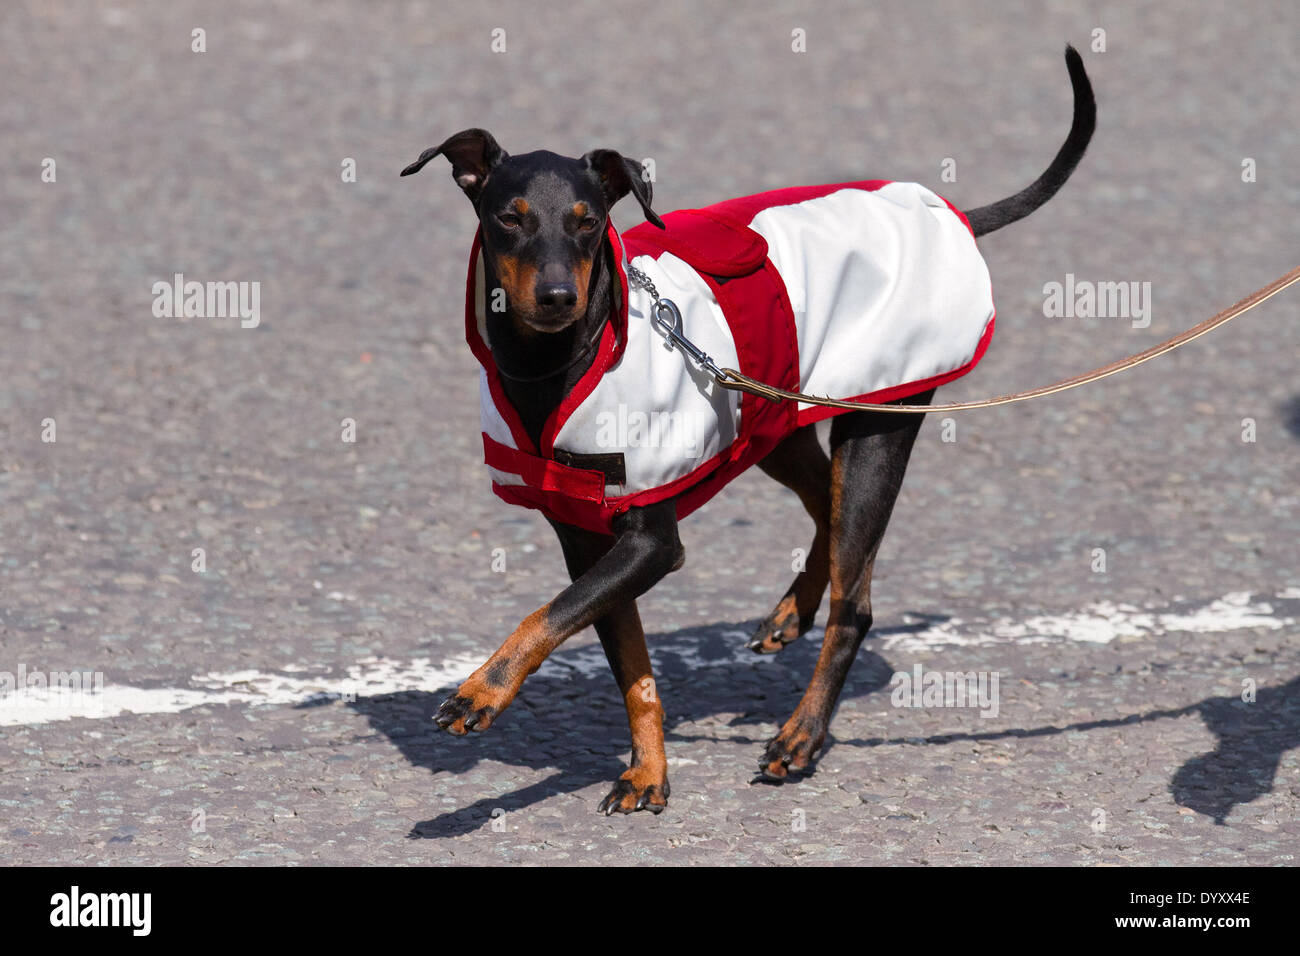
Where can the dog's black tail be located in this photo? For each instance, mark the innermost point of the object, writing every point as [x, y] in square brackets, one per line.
[996, 215]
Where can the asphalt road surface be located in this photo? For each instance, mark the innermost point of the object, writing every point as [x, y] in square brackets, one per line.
[274, 706]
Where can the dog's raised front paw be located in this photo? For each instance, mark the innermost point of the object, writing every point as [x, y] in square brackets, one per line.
[779, 628]
[473, 707]
[638, 789]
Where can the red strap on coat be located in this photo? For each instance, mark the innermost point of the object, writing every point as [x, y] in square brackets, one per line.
[543, 473]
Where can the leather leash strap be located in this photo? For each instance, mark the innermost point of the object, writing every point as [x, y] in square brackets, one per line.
[732, 379]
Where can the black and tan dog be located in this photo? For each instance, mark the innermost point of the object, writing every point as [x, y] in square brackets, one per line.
[542, 219]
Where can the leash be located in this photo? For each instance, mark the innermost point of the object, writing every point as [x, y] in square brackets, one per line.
[667, 318]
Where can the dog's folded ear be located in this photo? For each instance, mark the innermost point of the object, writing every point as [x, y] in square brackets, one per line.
[473, 154]
[618, 176]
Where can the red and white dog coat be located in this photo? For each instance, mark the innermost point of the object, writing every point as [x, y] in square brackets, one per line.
[869, 291]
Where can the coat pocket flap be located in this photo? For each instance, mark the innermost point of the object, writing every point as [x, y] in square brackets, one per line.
[709, 243]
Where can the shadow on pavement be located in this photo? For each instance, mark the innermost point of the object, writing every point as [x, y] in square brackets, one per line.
[1252, 739]
[569, 715]
[1241, 768]
[1291, 415]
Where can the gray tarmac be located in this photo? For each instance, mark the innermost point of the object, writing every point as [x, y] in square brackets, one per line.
[1121, 735]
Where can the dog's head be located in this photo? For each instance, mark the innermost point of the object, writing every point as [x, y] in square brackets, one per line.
[543, 218]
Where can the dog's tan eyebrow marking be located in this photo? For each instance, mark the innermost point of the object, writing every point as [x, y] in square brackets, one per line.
[521, 206]
[580, 209]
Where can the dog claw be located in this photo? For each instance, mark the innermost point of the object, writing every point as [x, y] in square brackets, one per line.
[791, 752]
[769, 768]
[766, 641]
[616, 800]
[458, 716]
[780, 629]
[446, 714]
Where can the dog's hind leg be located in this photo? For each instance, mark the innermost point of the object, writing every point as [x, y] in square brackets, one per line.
[869, 454]
[800, 464]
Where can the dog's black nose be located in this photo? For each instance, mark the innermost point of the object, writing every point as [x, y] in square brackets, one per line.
[557, 296]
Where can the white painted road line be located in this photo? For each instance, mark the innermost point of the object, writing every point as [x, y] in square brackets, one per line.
[1098, 623]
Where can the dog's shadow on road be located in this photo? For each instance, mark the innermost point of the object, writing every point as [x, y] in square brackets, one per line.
[569, 716]
[1252, 737]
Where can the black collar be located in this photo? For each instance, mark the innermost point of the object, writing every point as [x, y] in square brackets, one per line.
[591, 343]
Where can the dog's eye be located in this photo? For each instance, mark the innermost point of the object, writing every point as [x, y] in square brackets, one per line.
[509, 220]
[589, 224]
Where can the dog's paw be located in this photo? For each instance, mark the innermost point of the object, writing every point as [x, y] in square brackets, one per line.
[793, 749]
[779, 628]
[638, 789]
[473, 707]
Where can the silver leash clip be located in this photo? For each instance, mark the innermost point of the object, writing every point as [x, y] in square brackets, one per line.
[667, 318]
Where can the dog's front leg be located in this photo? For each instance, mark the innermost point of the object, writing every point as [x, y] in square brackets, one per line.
[645, 548]
[644, 785]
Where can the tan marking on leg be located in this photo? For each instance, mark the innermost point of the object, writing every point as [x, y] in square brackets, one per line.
[492, 688]
[646, 780]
